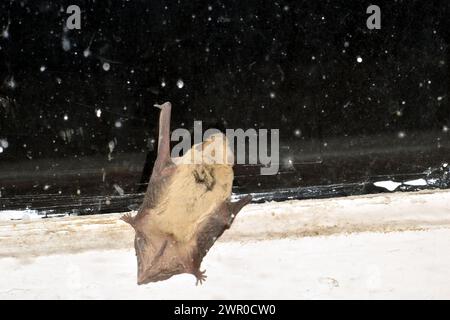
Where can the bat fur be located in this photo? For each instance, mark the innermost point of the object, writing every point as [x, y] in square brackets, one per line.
[186, 207]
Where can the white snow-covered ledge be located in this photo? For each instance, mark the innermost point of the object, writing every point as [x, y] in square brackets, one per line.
[379, 213]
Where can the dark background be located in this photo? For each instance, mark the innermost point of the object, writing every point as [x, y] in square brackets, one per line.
[79, 135]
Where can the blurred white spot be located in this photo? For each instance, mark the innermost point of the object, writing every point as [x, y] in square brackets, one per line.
[359, 59]
[66, 44]
[272, 95]
[106, 66]
[4, 143]
[445, 129]
[118, 124]
[163, 84]
[66, 117]
[5, 33]
[98, 113]
[86, 53]
[297, 132]
[180, 83]
[401, 134]
[111, 146]
[42, 68]
[11, 83]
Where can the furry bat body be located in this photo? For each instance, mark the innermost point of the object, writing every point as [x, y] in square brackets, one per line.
[186, 207]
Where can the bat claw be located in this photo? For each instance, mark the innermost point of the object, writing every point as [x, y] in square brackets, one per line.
[201, 276]
[128, 218]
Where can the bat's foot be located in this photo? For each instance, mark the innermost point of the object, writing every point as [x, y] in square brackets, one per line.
[128, 218]
[201, 276]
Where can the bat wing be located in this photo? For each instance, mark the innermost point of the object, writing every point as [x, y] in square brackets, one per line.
[211, 229]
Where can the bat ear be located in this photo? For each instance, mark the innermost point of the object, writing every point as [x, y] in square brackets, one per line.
[128, 218]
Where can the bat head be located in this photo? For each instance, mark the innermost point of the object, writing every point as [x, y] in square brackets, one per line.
[216, 150]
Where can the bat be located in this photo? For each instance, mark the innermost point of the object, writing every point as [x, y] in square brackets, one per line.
[186, 207]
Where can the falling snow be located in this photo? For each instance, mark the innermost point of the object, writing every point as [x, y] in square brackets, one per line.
[5, 32]
[66, 45]
[180, 83]
[4, 143]
[11, 83]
